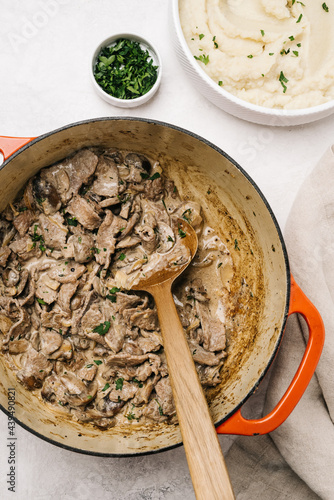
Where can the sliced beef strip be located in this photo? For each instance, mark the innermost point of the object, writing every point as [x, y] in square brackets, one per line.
[107, 181]
[70, 174]
[165, 396]
[66, 292]
[82, 245]
[214, 338]
[45, 196]
[4, 254]
[53, 231]
[35, 368]
[127, 392]
[106, 237]
[50, 341]
[25, 248]
[46, 289]
[84, 213]
[202, 356]
[146, 319]
[67, 272]
[23, 221]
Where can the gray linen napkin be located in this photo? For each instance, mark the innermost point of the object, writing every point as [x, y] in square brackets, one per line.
[297, 460]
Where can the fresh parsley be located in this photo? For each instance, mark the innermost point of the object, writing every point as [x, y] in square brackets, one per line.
[102, 328]
[119, 384]
[125, 70]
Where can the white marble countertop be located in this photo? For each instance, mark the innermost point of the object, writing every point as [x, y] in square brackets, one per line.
[45, 53]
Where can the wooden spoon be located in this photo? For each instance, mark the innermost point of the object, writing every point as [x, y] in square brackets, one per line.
[205, 459]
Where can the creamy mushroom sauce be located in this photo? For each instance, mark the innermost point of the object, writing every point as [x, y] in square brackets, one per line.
[71, 245]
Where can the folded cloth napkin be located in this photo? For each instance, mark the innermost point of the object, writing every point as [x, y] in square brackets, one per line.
[297, 460]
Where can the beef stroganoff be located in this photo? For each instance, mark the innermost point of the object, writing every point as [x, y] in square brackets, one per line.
[71, 245]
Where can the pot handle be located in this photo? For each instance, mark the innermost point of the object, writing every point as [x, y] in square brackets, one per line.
[237, 424]
[9, 145]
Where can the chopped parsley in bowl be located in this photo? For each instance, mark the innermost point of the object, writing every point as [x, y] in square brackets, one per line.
[126, 70]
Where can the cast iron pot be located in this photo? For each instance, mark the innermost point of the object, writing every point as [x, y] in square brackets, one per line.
[239, 212]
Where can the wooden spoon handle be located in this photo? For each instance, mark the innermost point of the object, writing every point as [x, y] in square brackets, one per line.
[205, 459]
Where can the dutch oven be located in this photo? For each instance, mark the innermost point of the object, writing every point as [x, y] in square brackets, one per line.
[238, 211]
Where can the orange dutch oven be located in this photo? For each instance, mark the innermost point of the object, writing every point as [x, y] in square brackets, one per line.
[237, 210]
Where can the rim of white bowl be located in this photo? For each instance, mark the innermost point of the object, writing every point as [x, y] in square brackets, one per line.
[146, 44]
[270, 112]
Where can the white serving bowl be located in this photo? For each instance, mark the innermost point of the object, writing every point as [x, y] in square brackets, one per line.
[137, 101]
[228, 102]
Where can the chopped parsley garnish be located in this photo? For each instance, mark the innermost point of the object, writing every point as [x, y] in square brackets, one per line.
[79, 239]
[203, 58]
[283, 80]
[155, 176]
[160, 407]
[124, 70]
[262, 33]
[72, 221]
[324, 6]
[119, 384]
[140, 384]
[236, 245]
[90, 365]
[220, 83]
[214, 42]
[299, 18]
[131, 415]
[182, 233]
[295, 53]
[201, 36]
[41, 301]
[97, 362]
[186, 214]
[106, 387]
[102, 328]
[219, 265]
[291, 38]
[122, 256]
[170, 239]
[250, 56]
[144, 175]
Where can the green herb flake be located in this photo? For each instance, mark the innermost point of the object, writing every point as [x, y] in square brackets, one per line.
[160, 407]
[220, 83]
[119, 384]
[106, 387]
[283, 80]
[203, 58]
[72, 221]
[97, 362]
[271, 53]
[324, 6]
[219, 265]
[262, 33]
[201, 36]
[236, 245]
[90, 365]
[131, 415]
[291, 38]
[122, 256]
[250, 56]
[155, 176]
[140, 384]
[102, 328]
[295, 53]
[125, 70]
[299, 18]
[41, 301]
[182, 233]
[170, 239]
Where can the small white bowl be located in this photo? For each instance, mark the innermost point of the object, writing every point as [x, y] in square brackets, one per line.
[228, 102]
[137, 101]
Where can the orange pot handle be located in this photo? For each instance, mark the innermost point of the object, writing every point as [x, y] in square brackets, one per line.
[9, 145]
[237, 424]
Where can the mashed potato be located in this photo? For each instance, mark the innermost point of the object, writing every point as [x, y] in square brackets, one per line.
[273, 53]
